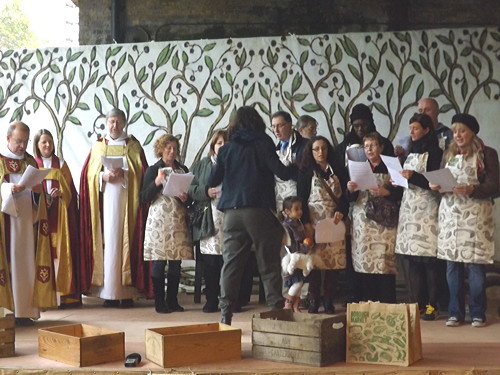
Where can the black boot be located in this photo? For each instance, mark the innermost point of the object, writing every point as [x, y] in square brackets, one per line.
[226, 318]
[212, 287]
[328, 305]
[159, 292]
[313, 306]
[173, 279]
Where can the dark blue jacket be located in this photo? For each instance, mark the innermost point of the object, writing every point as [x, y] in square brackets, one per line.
[246, 167]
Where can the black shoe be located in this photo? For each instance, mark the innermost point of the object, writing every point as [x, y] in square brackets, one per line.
[25, 322]
[111, 303]
[126, 303]
[226, 318]
[174, 306]
[329, 308]
[313, 306]
[211, 307]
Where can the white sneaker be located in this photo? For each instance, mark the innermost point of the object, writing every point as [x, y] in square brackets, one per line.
[478, 322]
[452, 322]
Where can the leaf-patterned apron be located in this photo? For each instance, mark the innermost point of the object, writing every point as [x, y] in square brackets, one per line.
[372, 244]
[418, 215]
[321, 206]
[167, 236]
[213, 245]
[466, 229]
[288, 188]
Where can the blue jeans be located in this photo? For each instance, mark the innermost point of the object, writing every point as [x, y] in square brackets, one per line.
[477, 294]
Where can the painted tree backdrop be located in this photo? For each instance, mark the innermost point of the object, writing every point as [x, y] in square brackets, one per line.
[190, 88]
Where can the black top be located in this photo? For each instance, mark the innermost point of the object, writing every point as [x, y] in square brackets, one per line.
[149, 189]
[428, 143]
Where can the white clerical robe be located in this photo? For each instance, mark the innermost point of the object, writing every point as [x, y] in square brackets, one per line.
[114, 206]
[22, 246]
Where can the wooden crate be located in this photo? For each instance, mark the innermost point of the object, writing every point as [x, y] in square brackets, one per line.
[192, 344]
[309, 339]
[7, 333]
[81, 345]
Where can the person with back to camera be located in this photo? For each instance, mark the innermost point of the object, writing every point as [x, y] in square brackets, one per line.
[466, 222]
[320, 186]
[246, 167]
[167, 238]
[62, 211]
[418, 217]
[373, 242]
[292, 212]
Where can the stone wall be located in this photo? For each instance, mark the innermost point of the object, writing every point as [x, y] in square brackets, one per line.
[162, 20]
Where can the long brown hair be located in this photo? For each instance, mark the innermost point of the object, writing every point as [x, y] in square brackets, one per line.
[36, 139]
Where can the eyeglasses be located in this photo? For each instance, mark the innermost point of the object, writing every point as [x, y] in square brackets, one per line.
[318, 149]
[18, 141]
[371, 147]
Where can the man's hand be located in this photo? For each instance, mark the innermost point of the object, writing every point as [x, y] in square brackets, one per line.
[17, 188]
[114, 175]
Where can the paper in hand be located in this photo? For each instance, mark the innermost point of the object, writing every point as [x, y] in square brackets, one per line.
[442, 177]
[177, 183]
[32, 177]
[361, 173]
[356, 153]
[394, 167]
[112, 162]
[326, 231]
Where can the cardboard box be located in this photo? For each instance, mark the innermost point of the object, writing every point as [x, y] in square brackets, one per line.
[81, 345]
[7, 333]
[309, 339]
[192, 344]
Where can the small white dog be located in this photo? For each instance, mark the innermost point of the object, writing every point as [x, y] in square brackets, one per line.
[305, 262]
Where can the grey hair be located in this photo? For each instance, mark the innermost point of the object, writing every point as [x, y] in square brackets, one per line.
[17, 125]
[116, 112]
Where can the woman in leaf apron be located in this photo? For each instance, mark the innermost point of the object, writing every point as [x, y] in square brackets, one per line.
[373, 243]
[167, 238]
[466, 223]
[319, 185]
[418, 218]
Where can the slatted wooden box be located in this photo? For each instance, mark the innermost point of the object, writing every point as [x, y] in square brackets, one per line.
[81, 345]
[309, 339]
[192, 344]
[7, 333]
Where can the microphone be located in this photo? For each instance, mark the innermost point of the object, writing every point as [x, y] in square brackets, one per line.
[132, 360]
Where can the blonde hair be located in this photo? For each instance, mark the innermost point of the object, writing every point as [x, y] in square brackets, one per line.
[161, 143]
[475, 147]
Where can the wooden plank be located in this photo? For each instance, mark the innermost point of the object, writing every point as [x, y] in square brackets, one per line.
[7, 336]
[7, 322]
[182, 330]
[59, 347]
[279, 326]
[154, 346]
[287, 355]
[277, 340]
[108, 347]
[7, 350]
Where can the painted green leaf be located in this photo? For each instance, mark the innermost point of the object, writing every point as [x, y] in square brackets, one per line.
[297, 82]
[2, 95]
[209, 47]
[75, 56]
[149, 137]
[466, 51]
[147, 118]
[283, 76]
[486, 89]
[101, 80]
[332, 110]
[303, 57]
[424, 62]
[350, 47]
[354, 71]
[109, 96]
[121, 61]
[115, 51]
[45, 77]
[17, 87]
[311, 107]
[126, 103]
[209, 63]
[166, 96]
[263, 91]
[415, 65]
[135, 117]
[264, 109]
[93, 77]
[269, 56]
[464, 89]
[420, 91]
[477, 61]
[425, 38]
[57, 103]
[303, 42]
[437, 58]
[225, 99]
[184, 116]
[445, 108]
[36, 105]
[125, 78]
[250, 92]
[216, 86]
[27, 57]
[341, 111]
[299, 97]
[4, 66]
[71, 75]
[175, 61]
[159, 80]
[174, 117]
[347, 88]
[12, 64]
[93, 53]
[390, 93]
[328, 51]
[131, 60]
[184, 58]
[204, 112]
[443, 75]
[4, 112]
[75, 90]
[163, 57]
[380, 108]
[48, 87]
[482, 38]
[18, 114]
[39, 57]
[447, 59]
[407, 83]
[287, 95]
[443, 39]
[341, 131]
[141, 74]
[8, 53]
[83, 106]
[400, 36]
[74, 120]
[81, 73]
[435, 93]
[97, 103]
[394, 48]
[243, 58]
[338, 54]
[55, 68]
[214, 101]
[390, 66]
[472, 70]
[323, 84]
[229, 79]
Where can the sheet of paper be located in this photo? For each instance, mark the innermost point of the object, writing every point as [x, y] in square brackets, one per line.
[8, 201]
[177, 183]
[442, 177]
[356, 153]
[32, 176]
[404, 141]
[361, 173]
[394, 167]
[112, 163]
[327, 231]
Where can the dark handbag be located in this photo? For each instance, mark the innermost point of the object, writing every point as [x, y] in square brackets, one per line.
[195, 214]
[382, 211]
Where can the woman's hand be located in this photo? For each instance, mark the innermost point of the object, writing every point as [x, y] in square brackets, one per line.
[212, 192]
[337, 217]
[380, 191]
[463, 189]
[160, 177]
[183, 197]
[434, 187]
[406, 173]
[352, 186]
[55, 192]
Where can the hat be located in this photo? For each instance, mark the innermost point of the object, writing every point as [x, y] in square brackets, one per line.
[361, 111]
[468, 120]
